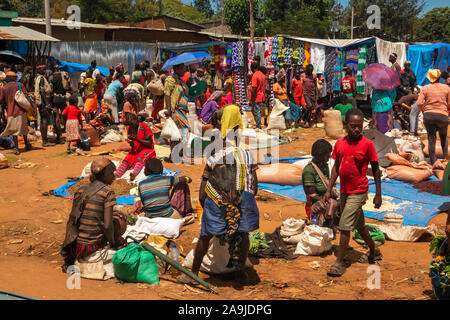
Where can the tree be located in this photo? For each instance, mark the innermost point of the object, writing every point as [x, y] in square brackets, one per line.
[25, 8]
[205, 7]
[435, 25]
[237, 15]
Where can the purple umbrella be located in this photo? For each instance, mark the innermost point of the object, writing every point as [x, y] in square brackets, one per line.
[381, 77]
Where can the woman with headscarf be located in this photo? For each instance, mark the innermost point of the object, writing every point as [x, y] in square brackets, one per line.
[211, 106]
[227, 195]
[383, 115]
[292, 115]
[91, 228]
[434, 102]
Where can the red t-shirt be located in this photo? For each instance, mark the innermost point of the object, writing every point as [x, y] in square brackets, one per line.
[72, 113]
[143, 132]
[354, 158]
[347, 84]
[259, 82]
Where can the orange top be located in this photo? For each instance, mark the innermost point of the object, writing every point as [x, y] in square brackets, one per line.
[435, 98]
[280, 91]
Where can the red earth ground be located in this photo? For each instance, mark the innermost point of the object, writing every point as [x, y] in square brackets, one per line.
[32, 267]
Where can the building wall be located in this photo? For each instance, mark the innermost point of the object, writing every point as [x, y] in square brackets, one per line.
[65, 34]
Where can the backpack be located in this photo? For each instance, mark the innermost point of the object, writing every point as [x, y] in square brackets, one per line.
[65, 80]
[156, 87]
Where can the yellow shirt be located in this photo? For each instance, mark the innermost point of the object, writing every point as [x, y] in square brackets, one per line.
[171, 90]
[280, 91]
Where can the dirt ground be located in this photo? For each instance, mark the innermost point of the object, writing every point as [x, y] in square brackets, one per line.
[32, 229]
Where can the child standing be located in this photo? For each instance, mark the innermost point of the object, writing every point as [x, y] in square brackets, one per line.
[352, 155]
[73, 123]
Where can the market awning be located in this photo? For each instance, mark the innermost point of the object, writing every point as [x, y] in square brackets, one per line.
[339, 43]
[23, 33]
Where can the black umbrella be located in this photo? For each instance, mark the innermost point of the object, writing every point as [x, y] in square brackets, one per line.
[11, 57]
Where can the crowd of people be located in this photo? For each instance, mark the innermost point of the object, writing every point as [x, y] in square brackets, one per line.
[227, 193]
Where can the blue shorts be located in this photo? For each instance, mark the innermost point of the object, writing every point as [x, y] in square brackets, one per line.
[213, 217]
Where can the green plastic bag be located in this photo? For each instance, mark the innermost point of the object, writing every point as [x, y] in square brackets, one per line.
[376, 234]
[135, 264]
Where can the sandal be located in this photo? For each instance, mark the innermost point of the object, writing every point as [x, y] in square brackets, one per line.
[16, 152]
[365, 257]
[336, 270]
[184, 279]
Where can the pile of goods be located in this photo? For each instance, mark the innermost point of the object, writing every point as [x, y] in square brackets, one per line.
[406, 170]
[440, 267]
[121, 187]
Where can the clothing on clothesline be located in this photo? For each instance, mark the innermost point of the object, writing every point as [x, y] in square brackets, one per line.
[307, 54]
[318, 58]
[351, 60]
[333, 74]
[360, 84]
[386, 48]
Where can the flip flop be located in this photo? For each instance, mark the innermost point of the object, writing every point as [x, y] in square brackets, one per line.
[365, 258]
[336, 270]
[184, 279]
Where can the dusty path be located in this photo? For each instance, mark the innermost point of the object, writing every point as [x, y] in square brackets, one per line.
[32, 267]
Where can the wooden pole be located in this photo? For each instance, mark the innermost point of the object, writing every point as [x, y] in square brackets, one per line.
[252, 21]
[48, 24]
[353, 14]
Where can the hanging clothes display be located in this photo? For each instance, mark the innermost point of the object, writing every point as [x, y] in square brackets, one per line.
[241, 54]
[251, 54]
[275, 48]
[301, 53]
[259, 51]
[235, 55]
[288, 43]
[223, 58]
[217, 57]
[386, 48]
[351, 60]
[281, 50]
[371, 54]
[318, 58]
[307, 54]
[268, 52]
[333, 67]
[360, 84]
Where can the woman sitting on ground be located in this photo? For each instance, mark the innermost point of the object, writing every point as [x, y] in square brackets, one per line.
[131, 103]
[140, 138]
[92, 229]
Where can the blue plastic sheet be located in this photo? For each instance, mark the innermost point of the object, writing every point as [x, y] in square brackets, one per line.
[423, 58]
[123, 200]
[78, 67]
[418, 208]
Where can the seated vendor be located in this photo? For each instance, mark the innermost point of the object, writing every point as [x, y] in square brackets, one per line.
[140, 138]
[293, 114]
[156, 196]
[92, 229]
[211, 106]
[312, 183]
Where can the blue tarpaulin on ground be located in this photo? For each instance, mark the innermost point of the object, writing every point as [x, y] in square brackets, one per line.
[416, 207]
[123, 200]
[78, 67]
[426, 57]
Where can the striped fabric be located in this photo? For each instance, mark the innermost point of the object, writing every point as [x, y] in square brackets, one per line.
[360, 84]
[351, 58]
[155, 195]
[268, 52]
[90, 231]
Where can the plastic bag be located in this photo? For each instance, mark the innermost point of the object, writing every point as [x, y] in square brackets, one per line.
[135, 264]
[170, 130]
[166, 227]
[276, 118]
[375, 233]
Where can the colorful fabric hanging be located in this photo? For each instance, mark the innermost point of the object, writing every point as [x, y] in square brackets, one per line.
[307, 54]
[241, 54]
[234, 55]
[318, 58]
[333, 69]
[301, 53]
[229, 54]
[217, 57]
[280, 58]
[360, 84]
[223, 58]
[251, 54]
[351, 61]
[259, 51]
[288, 44]
[275, 48]
[268, 52]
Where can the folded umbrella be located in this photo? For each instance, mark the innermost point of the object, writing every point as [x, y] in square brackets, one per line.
[381, 77]
[187, 58]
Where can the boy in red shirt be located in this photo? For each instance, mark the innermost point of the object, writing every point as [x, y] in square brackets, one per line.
[73, 123]
[348, 86]
[258, 94]
[297, 85]
[352, 155]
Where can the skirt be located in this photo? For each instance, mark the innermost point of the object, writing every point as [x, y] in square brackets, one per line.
[16, 126]
[72, 130]
[383, 121]
[293, 113]
[213, 217]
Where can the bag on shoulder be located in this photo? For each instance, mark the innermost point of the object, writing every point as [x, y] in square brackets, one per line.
[65, 80]
[156, 87]
[22, 99]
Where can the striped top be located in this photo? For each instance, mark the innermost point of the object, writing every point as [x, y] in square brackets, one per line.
[230, 154]
[155, 195]
[91, 228]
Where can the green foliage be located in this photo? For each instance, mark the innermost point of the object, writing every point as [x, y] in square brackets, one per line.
[237, 16]
[176, 8]
[204, 6]
[25, 8]
[436, 25]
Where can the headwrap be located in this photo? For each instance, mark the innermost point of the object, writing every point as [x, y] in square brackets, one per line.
[99, 164]
[281, 74]
[42, 66]
[215, 95]
[11, 74]
[231, 118]
[433, 75]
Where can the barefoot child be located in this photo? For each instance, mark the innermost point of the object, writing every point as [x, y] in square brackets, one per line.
[352, 155]
[73, 123]
[140, 138]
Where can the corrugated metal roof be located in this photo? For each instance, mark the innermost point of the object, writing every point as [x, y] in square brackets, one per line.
[23, 33]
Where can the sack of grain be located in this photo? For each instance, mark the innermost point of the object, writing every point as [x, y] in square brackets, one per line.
[408, 174]
[283, 174]
[334, 127]
[276, 118]
[397, 159]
